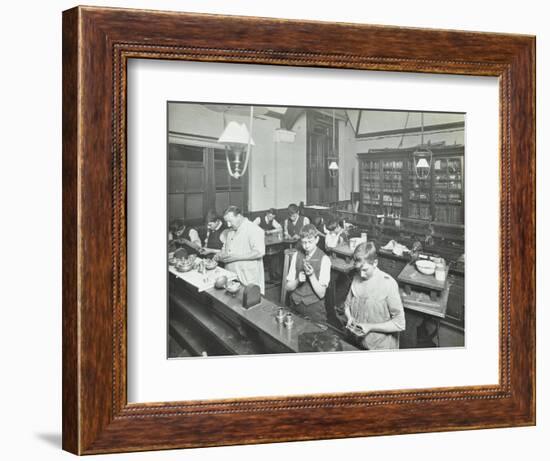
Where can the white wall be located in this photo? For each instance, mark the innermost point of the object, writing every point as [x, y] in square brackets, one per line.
[373, 121]
[292, 180]
[30, 179]
[198, 120]
[276, 170]
[449, 138]
[261, 170]
[348, 161]
[377, 120]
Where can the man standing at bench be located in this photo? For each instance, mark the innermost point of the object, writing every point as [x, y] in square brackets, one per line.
[244, 248]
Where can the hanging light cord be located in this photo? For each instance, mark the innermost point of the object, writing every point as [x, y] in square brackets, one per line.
[333, 130]
[404, 128]
[424, 149]
[421, 128]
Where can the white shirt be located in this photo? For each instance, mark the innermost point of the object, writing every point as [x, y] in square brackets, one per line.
[331, 240]
[193, 237]
[275, 224]
[324, 272]
[246, 238]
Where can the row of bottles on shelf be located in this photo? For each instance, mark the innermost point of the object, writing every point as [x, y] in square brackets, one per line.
[395, 188]
[388, 213]
[419, 211]
[446, 183]
[392, 165]
[383, 183]
[387, 199]
[449, 214]
[392, 175]
[448, 166]
[371, 198]
[441, 166]
[445, 214]
[448, 176]
[451, 197]
[387, 165]
[392, 200]
[423, 196]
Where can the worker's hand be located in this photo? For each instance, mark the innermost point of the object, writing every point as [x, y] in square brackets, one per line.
[302, 277]
[350, 322]
[365, 327]
[220, 256]
[308, 269]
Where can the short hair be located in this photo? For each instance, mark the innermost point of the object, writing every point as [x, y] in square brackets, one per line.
[333, 223]
[176, 225]
[212, 216]
[293, 208]
[233, 209]
[365, 252]
[308, 231]
[272, 211]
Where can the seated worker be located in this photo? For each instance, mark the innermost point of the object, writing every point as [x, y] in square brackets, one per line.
[308, 277]
[294, 222]
[273, 260]
[373, 302]
[215, 236]
[319, 223]
[268, 223]
[179, 233]
[335, 234]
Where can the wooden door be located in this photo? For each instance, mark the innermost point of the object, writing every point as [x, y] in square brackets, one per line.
[186, 183]
[198, 181]
[322, 189]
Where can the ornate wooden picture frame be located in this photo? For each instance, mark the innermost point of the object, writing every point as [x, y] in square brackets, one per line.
[97, 44]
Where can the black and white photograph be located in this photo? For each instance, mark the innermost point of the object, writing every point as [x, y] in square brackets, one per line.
[253, 223]
[313, 229]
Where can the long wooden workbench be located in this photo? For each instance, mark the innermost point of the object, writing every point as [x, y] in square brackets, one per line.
[451, 319]
[214, 322]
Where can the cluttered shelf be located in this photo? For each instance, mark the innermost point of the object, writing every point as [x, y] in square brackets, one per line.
[435, 239]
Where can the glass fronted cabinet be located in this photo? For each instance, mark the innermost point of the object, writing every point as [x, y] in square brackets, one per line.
[448, 190]
[370, 186]
[391, 185]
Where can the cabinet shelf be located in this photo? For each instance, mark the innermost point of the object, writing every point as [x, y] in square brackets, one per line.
[389, 185]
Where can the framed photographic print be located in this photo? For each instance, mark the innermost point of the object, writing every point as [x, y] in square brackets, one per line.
[280, 230]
